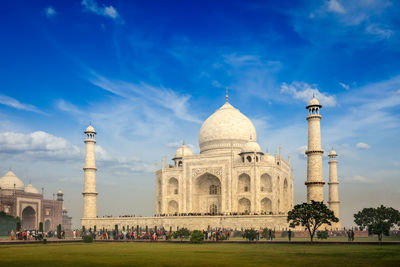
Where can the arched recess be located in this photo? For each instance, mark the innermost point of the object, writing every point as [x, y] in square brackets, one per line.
[173, 186]
[47, 225]
[266, 183]
[244, 205]
[213, 208]
[173, 207]
[244, 183]
[286, 196]
[29, 218]
[207, 191]
[266, 205]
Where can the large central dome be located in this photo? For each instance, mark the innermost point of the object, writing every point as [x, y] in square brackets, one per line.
[226, 129]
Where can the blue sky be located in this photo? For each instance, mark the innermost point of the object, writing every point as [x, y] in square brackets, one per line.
[147, 73]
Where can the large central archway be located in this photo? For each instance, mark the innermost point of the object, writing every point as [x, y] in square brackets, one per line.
[29, 218]
[207, 194]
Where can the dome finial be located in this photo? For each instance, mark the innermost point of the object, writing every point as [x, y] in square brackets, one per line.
[226, 95]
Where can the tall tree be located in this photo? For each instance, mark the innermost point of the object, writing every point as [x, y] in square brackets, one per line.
[378, 220]
[311, 216]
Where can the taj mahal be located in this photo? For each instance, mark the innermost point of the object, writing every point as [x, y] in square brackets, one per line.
[231, 183]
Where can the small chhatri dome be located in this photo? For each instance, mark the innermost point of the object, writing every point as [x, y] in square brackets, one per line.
[90, 129]
[251, 146]
[59, 192]
[30, 189]
[332, 153]
[314, 102]
[225, 129]
[9, 180]
[183, 151]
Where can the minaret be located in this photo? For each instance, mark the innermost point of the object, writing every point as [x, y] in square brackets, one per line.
[315, 181]
[333, 187]
[89, 190]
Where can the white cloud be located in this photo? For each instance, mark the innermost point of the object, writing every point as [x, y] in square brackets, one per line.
[50, 12]
[107, 11]
[40, 144]
[305, 92]
[335, 6]
[345, 86]
[14, 103]
[362, 145]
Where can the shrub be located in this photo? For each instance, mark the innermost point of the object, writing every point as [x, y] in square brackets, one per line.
[196, 237]
[88, 238]
[237, 234]
[250, 234]
[182, 233]
[322, 234]
[265, 233]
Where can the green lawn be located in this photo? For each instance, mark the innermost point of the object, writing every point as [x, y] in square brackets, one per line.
[174, 254]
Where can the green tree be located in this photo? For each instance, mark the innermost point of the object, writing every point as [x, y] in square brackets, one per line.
[197, 237]
[265, 233]
[250, 234]
[311, 216]
[182, 233]
[59, 231]
[378, 220]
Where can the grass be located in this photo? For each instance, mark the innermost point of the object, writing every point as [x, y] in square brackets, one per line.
[175, 254]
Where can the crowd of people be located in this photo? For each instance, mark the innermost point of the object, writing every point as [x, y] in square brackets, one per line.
[35, 235]
[217, 214]
[201, 214]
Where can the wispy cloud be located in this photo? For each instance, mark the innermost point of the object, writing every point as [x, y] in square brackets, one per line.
[381, 32]
[363, 146]
[345, 86]
[361, 179]
[14, 103]
[333, 20]
[107, 11]
[68, 107]
[305, 92]
[50, 12]
[158, 95]
[335, 6]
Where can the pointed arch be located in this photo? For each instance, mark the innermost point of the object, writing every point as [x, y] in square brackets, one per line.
[173, 186]
[266, 183]
[266, 205]
[173, 207]
[244, 205]
[244, 183]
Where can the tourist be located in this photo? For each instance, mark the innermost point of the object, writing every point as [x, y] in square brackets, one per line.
[270, 234]
[348, 235]
[290, 235]
[12, 235]
[352, 235]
